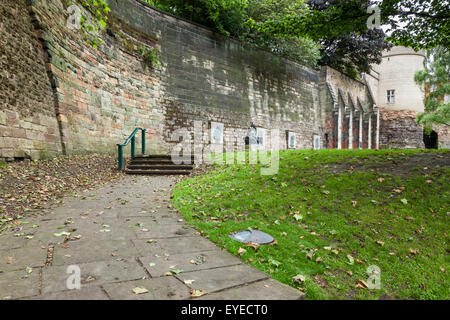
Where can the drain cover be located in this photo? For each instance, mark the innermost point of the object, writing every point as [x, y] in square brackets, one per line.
[254, 236]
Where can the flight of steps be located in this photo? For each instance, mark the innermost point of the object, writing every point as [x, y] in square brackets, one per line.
[157, 165]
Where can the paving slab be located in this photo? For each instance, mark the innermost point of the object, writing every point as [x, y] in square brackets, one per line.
[213, 280]
[90, 293]
[173, 246]
[166, 288]
[158, 266]
[162, 216]
[99, 228]
[92, 274]
[19, 284]
[269, 289]
[74, 252]
[21, 258]
[9, 241]
[158, 231]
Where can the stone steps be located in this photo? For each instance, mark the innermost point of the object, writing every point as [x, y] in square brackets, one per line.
[157, 165]
[158, 172]
[170, 166]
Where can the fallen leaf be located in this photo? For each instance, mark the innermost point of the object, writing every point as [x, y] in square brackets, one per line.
[381, 243]
[64, 233]
[140, 290]
[362, 284]
[299, 279]
[253, 245]
[89, 279]
[196, 293]
[351, 260]
[241, 251]
[176, 271]
[274, 262]
[188, 281]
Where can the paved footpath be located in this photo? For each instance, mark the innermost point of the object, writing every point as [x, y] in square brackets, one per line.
[123, 236]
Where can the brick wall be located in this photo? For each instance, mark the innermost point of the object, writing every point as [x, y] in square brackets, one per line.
[28, 127]
[398, 129]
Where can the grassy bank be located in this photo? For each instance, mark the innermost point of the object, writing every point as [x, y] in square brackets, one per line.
[333, 214]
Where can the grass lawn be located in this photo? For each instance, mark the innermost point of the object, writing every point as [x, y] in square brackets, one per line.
[333, 214]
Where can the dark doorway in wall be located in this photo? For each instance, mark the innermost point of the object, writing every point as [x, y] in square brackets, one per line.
[430, 140]
[327, 143]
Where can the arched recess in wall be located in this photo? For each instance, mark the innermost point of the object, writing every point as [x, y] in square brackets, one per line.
[431, 140]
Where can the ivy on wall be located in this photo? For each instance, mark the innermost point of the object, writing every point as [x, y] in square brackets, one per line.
[91, 27]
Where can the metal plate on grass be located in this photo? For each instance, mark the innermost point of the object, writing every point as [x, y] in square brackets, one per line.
[254, 236]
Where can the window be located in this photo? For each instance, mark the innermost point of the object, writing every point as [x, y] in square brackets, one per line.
[391, 96]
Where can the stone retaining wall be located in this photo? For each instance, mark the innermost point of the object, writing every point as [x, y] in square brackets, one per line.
[59, 94]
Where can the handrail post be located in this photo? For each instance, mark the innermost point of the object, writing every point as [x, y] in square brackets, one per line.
[143, 141]
[133, 146]
[120, 156]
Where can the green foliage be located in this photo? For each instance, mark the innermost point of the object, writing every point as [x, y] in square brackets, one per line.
[149, 56]
[418, 24]
[300, 49]
[226, 16]
[435, 78]
[90, 28]
[413, 23]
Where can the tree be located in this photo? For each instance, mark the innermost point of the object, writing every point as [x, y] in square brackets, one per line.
[225, 16]
[352, 53]
[435, 79]
[300, 49]
[420, 24]
[342, 29]
[413, 23]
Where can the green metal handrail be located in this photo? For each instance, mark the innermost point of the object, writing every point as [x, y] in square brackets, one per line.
[131, 138]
